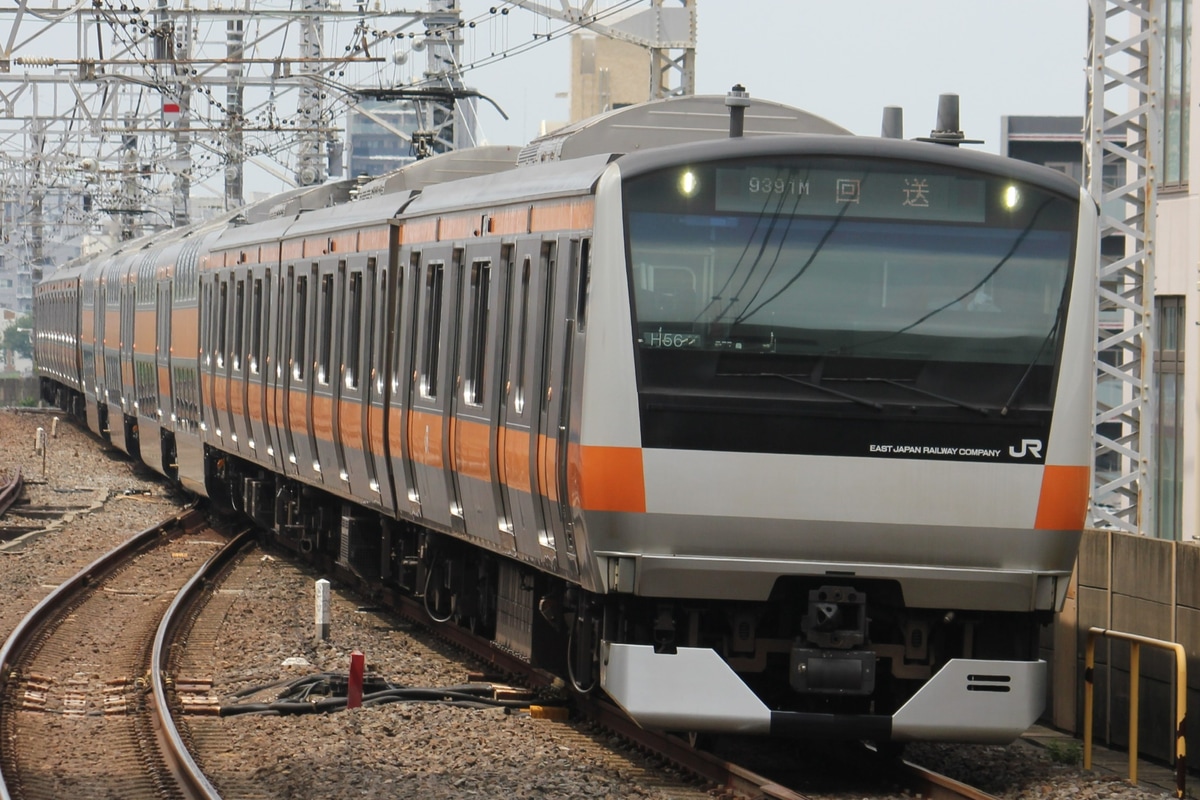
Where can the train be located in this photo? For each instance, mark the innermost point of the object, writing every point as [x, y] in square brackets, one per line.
[764, 429]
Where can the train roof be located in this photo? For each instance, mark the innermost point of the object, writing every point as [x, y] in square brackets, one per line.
[452, 166]
[672, 121]
[542, 180]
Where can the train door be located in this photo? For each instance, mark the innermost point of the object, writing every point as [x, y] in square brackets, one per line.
[498, 385]
[515, 440]
[406, 297]
[379, 382]
[111, 393]
[298, 406]
[291, 297]
[94, 365]
[253, 316]
[300, 396]
[275, 341]
[226, 304]
[243, 394]
[210, 419]
[473, 406]
[163, 371]
[354, 386]
[431, 386]
[553, 413]
[325, 422]
[122, 427]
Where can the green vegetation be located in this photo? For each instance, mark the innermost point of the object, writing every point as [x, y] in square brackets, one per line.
[17, 337]
[1065, 751]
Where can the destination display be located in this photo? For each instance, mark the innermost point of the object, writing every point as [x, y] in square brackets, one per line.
[847, 192]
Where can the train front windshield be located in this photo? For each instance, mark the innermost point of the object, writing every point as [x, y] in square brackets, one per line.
[880, 282]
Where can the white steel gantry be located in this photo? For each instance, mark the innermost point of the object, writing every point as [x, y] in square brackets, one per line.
[1124, 130]
[111, 113]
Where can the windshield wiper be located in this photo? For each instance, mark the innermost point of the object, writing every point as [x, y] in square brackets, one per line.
[802, 382]
[1011, 402]
[915, 390]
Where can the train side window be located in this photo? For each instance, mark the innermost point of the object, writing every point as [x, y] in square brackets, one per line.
[163, 311]
[547, 264]
[239, 323]
[325, 342]
[414, 263]
[222, 318]
[481, 279]
[354, 331]
[522, 338]
[431, 353]
[379, 328]
[206, 315]
[585, 274]
[301, 332]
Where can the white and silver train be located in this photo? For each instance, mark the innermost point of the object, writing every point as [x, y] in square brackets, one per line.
[785, 434]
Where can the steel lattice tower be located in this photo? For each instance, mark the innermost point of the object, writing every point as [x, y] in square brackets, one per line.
[1124, 130]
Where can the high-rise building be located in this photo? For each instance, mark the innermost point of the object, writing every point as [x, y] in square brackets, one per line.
[606, 74]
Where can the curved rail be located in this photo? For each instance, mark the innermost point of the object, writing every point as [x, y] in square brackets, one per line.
[934, 786]
[178, 757]
[29, 627]
[11, 491]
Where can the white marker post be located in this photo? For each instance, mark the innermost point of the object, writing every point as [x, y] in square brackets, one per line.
[322, 615]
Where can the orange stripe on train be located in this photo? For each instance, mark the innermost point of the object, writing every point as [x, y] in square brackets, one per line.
[1063, 501]
[612, 479]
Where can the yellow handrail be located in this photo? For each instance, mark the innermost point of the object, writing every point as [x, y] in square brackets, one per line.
[1135, 655]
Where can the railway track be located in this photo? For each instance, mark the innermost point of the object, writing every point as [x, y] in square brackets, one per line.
[85, 708]
[10, 491]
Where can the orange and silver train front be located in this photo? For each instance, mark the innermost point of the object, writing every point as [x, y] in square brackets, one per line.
[834, 443]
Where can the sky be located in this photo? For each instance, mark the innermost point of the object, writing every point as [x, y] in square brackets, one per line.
[844, 60]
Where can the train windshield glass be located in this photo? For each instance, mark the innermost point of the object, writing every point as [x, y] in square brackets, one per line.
[867, 271]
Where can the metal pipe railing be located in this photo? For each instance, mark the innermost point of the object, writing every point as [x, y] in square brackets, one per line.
[1135, 655]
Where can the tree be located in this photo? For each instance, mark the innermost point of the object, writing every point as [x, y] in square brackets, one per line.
[16, 337]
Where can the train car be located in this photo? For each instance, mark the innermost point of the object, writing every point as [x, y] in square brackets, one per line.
[776, 434]
[56, 348]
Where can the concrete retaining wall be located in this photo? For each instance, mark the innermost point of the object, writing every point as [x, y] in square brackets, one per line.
[18, 391]
[1135, 585]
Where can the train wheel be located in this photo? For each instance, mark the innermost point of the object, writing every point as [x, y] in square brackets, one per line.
[439, 600]
[583, 652]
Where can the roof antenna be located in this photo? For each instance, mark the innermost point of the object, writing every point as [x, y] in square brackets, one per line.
[737, 100]
[947, 131]
[893, 122]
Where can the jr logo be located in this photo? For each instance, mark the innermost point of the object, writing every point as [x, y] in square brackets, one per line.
[1031, 447]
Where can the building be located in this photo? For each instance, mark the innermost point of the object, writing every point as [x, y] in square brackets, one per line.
[1176, 318]
[380, 134]
[606, 74]
[374, 145]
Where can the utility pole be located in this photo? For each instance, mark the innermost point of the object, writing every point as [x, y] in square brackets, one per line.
[310, 166]
[235, 41]
[172, 48]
